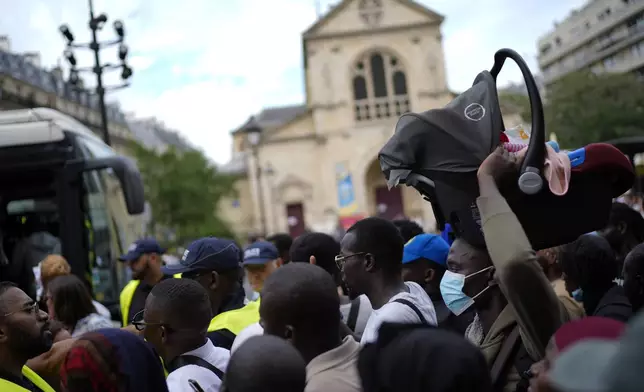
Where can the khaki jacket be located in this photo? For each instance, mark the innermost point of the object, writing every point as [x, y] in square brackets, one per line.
[532, 302]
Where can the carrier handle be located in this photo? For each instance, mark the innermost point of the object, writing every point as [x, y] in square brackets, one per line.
[530, 180]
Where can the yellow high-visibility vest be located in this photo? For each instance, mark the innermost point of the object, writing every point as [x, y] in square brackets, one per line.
[8, 386]
[125, 299]
[236, 320]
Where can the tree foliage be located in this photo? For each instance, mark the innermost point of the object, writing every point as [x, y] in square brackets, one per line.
[517, 103]
[583, 107]
[184, 190]
[586, 108]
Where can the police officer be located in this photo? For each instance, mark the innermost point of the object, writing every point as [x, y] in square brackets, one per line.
[144, 259]
[216, 264]
[24, 334]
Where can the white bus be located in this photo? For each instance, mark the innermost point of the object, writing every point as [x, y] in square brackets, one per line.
[57, 176]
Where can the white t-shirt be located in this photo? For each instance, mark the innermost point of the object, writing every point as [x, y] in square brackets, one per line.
[364, 312]
[245, 334]
[395, 312]
[209, 382]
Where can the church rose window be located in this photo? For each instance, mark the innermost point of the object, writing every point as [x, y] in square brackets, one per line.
[379, 87]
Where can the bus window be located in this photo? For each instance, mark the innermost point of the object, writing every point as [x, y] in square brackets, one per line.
[98, 238]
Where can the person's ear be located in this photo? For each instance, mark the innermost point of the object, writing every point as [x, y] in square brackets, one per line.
[312, 260]
[279, 262]
[214, 280]
[3, 335]
[491, 277]
[622, 227]
[639, 279]
[289, 332]
[163, 334]
[369, 262]
[429, 275]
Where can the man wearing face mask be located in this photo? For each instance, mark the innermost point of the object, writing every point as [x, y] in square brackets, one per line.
[24, 334]
[144, 260]
[425, 262]
[517, 310]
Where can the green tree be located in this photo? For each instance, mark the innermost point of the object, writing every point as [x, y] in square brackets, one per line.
[516, 103]
[184, 190]
[585, 108]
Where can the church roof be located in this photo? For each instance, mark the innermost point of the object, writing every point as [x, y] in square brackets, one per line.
[339, 7]
[273, 117]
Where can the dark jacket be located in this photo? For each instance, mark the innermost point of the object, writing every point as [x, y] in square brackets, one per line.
[614, 305]
[448, 320]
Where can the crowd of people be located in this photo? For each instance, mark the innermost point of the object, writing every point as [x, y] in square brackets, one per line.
[387, 308]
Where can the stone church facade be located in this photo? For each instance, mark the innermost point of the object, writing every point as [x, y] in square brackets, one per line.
[315, 165]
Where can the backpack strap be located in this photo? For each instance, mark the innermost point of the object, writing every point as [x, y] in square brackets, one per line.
[353, 314]
[503, 360]
[414, 308]
[184, 360]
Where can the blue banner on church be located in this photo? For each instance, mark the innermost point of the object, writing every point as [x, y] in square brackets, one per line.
[346, 194]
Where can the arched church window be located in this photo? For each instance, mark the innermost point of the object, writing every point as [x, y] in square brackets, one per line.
[379, 87]
[359, 88]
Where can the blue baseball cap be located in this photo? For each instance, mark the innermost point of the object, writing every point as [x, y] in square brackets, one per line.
[206, 254]
[426, 246]
[260, 252]
[141, 247]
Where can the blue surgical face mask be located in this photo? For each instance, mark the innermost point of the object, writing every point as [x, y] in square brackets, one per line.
[451, 287]
[578, 295]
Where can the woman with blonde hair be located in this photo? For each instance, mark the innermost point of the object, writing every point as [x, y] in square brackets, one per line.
[54, 266]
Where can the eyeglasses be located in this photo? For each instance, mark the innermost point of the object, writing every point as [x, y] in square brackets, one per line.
[140, 325]
[31, 308]
[340, 260]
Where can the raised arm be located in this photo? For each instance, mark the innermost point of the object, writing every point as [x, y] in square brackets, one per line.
[521, 279]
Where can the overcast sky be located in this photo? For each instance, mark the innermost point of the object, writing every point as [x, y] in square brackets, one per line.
[203, 66]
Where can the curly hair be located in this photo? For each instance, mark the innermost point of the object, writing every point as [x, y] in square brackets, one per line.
[53, 266]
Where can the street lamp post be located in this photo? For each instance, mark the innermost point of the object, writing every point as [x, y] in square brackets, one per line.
[269, 172]
[254, 135]
[96, 24]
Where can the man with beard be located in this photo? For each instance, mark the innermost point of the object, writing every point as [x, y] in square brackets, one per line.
[24, 334]
[144, 260]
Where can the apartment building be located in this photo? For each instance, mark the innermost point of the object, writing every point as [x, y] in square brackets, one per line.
[603, 36]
